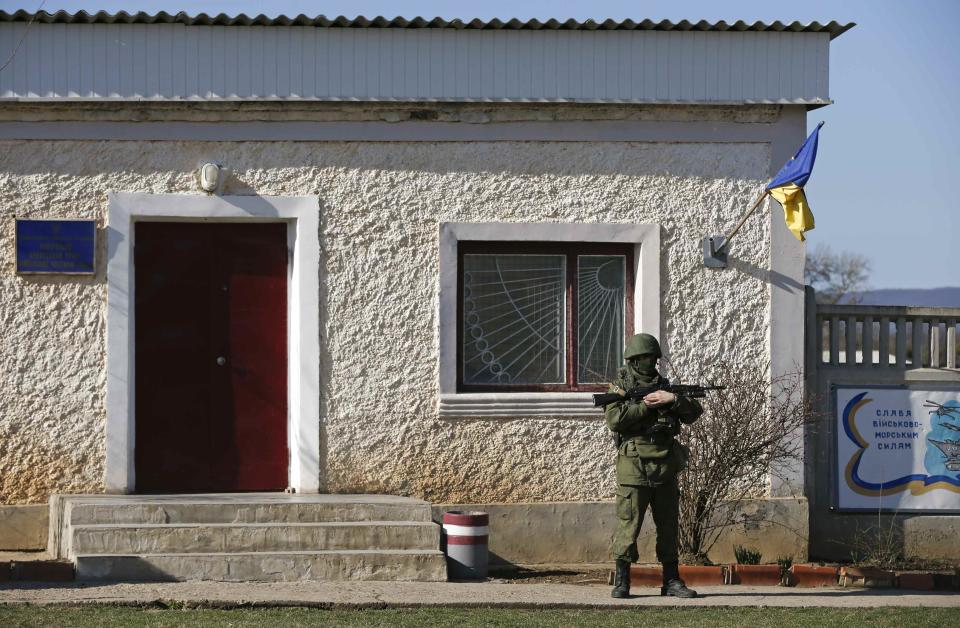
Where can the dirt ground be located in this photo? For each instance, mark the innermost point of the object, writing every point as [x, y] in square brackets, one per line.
[554, 574]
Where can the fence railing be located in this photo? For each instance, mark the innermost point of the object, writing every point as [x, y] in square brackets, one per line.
[868, 336]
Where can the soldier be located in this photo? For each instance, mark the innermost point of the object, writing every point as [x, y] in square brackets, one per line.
[648, 460]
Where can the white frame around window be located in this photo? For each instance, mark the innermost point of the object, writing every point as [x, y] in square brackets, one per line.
[646, 299]
[302, 216]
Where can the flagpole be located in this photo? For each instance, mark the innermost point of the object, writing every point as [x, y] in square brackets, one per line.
[715, 247]
[756, 204]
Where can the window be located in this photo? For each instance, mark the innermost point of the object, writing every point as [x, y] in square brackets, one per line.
[541, 316]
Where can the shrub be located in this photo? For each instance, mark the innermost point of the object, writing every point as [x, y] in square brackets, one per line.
[746, 556]
[749, 432]
[785, 563]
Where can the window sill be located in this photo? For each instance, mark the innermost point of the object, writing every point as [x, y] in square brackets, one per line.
[518, 405]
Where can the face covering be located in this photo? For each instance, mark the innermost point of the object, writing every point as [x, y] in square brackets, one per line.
[643, 366]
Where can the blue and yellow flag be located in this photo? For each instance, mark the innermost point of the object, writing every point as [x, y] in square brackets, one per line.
[787, 187]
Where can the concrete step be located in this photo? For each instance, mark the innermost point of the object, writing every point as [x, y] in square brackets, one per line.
[260, 537]
[412, 565]
[243, 508]
[247, 537]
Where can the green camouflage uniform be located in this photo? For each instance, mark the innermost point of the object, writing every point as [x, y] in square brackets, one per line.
[647, 464]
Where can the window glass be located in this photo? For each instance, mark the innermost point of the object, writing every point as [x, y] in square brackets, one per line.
[513, 319]
[600, 317]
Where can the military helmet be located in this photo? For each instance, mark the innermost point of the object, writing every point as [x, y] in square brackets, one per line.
[641, 344]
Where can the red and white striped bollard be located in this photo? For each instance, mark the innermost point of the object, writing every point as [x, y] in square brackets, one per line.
[467, 534]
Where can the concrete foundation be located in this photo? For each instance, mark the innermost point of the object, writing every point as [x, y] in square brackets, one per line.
[580, 532]
[23, 528]
[531, 533]
[774, 527]
[932, 537]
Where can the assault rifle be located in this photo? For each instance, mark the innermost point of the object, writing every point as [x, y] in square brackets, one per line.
[639, 392]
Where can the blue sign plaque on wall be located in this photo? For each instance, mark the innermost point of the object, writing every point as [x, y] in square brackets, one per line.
[56, 246]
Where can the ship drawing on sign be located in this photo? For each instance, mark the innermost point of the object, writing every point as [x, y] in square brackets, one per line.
[948, 447]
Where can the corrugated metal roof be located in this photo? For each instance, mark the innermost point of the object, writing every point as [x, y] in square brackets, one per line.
[202, 19]
[160, 57]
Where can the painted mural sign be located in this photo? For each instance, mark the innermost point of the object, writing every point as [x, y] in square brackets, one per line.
[898, 449]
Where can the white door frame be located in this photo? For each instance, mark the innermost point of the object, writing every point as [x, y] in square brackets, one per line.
[302, 216]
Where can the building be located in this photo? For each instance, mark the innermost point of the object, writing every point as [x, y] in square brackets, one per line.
[422, 243]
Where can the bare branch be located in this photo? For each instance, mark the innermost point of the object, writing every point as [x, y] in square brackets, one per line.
[750, 432]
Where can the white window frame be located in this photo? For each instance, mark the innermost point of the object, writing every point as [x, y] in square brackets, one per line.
[646, 310]
[302, 217]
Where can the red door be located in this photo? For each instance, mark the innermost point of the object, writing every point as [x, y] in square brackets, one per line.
[211, 357]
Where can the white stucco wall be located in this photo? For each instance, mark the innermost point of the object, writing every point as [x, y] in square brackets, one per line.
[380, 207]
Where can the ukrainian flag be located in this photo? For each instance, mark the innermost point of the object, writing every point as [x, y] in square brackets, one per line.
[787, 187]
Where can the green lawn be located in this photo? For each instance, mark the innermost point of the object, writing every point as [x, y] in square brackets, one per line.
[11, 616]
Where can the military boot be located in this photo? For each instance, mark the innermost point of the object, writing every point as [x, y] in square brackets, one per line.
[672, 584]
[621, 579]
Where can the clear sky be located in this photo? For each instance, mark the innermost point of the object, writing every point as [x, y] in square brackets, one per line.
[881, 186]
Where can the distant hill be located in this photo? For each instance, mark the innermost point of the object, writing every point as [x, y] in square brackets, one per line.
[933, 297]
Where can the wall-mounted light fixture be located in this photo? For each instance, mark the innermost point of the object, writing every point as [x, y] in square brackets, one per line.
[210, 177]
